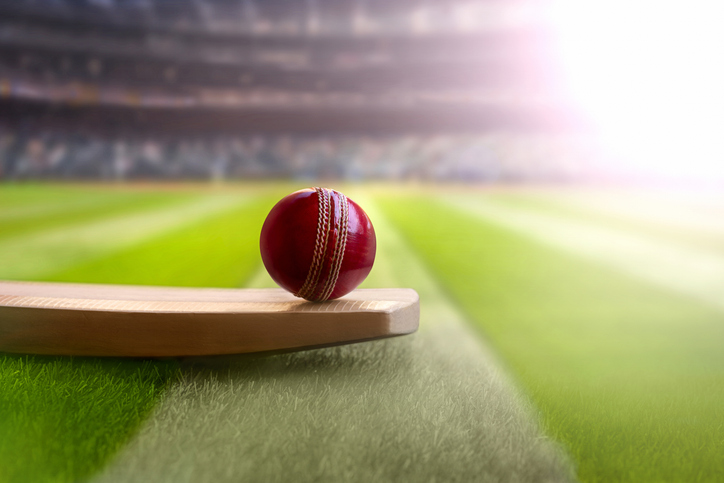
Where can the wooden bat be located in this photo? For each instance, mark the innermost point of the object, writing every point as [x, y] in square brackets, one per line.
[146, 321]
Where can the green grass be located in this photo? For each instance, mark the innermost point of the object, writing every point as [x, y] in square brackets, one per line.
[39, 254]
[630, 378]
[430, 407]
[61, 419]
[40, 208]
[221, 251]
[546, 202]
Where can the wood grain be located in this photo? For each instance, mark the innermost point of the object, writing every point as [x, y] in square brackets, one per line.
[144, 321]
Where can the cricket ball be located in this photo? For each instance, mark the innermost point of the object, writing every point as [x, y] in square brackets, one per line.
[318, 244]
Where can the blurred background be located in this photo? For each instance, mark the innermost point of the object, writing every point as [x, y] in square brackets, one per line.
[348, 90]
[483, 90]
[477, 91]
[547, 174]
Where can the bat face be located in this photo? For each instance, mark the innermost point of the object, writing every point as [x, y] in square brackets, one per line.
[135, 321]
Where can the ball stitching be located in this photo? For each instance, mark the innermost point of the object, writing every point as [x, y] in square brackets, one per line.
[339, 247]
[320, 246]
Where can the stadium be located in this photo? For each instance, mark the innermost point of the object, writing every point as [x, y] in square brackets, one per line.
[560, 222]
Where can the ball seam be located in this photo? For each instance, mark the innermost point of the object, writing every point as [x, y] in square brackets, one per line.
[323, 221]
[339, 247]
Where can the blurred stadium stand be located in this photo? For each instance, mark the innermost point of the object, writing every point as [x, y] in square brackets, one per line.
[356, 89]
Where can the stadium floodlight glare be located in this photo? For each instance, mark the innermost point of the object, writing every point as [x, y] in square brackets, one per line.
[142, 321]
[648, 75]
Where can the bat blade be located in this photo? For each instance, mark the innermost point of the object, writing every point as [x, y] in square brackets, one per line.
[145, 321]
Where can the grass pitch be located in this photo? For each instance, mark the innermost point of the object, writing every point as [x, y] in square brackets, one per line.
[428, 407]
[62, 418]
[627, 375]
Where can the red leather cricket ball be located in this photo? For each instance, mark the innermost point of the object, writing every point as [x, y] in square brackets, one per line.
[318, 244]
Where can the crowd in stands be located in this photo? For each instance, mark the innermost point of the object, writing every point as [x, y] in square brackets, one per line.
[49, 64]
[462, 64]
[474, 158]
[280, 17]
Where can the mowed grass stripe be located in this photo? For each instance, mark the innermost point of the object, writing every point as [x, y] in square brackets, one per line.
[627, 375]
[428, 407]
[62, 418]
[685, 219]
[74, 208]
[694, 272]
[20, 195]
[36, 255]
[219, 251]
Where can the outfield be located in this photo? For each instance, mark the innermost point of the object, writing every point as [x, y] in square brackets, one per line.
[594, 319]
